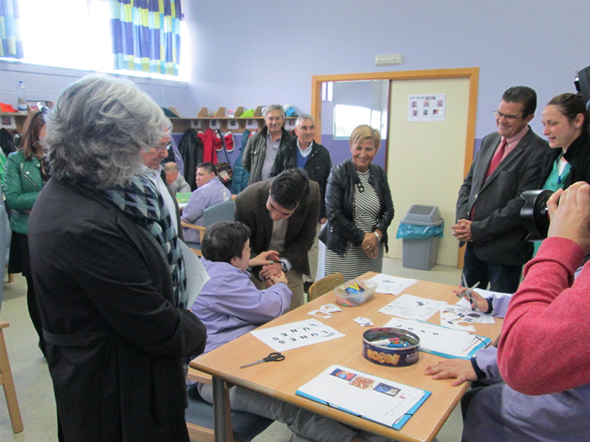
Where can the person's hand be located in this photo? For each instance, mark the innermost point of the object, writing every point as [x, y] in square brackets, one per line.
[479, 302]
[264, 258]
[571, 219]
[369, 245]
[323, 220]
[271, 270]
[278, 278]
[460, 369]
[462, 230]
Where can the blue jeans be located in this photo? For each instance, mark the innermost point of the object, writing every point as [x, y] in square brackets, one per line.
[501, 278]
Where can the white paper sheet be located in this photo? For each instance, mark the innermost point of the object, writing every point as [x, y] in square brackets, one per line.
[443, 341]
[196, 275]
[296, 334]
[391, 284]
[412, 307]
[373, 398]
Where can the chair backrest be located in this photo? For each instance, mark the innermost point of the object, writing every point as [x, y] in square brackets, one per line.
[325, 284]
[219, 212]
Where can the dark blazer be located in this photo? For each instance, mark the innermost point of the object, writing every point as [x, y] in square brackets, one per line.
[301, 229]
[578, 157]
[498, 235]
[318, 166]
[115, 341]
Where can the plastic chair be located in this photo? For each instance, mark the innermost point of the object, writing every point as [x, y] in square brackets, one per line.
[240, 426]
[219, 212]
[324, 285]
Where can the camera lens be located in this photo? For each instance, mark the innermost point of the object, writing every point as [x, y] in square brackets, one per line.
[534, 214]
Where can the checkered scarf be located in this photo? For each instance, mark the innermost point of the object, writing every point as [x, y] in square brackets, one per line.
[143, 202]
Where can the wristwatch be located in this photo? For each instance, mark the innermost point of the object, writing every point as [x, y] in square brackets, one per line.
[378, 236]
[284, 267]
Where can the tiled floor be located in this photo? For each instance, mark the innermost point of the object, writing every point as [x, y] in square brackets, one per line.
[34, 388]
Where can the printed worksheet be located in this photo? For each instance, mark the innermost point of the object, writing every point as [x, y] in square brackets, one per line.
[391, 284]
[296, 334]
[442, 341]
[412, 307]
[461, 317]
[370, 397]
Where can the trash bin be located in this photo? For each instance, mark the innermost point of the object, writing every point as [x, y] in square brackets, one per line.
[420, 230]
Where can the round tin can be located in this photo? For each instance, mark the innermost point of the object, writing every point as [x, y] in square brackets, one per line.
[391, 356]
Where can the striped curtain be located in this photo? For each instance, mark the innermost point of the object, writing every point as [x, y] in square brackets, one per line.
[12, 45]
[146, 35]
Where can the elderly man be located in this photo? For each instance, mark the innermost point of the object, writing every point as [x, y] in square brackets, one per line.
[489, 203]
[282, 214]
[262, 148]
[303, 152]
[152, 160]
[175, 180]
[210, 191]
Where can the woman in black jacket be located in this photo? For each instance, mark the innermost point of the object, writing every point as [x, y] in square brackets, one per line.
[359, 209]
[565, 124]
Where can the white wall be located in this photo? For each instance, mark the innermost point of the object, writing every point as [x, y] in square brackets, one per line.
[46, 83]
[249, 53]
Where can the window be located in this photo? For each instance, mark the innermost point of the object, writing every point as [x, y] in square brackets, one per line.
[73, 34]
[347, 117]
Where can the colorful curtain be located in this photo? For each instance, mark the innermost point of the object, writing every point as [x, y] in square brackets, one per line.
[12, 45]
[146, 35]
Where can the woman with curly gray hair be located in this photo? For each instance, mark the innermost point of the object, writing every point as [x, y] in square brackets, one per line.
[108, 271]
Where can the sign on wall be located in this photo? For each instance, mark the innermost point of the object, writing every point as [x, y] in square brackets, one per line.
[427, 107]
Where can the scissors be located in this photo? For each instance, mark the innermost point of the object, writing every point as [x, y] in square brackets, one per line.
[469, 290]
[276, 357]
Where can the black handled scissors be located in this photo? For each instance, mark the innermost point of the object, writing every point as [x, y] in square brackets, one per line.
[276, 357]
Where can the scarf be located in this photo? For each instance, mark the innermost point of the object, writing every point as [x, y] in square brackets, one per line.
[143, 202]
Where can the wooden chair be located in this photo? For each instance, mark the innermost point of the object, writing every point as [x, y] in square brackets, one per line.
[219, 212]
[239, 426]
[324, 285]
[8, 383]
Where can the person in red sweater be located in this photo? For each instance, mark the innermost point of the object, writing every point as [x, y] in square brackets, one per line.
[544, 347]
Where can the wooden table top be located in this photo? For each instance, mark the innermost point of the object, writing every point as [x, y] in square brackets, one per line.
[282, 379]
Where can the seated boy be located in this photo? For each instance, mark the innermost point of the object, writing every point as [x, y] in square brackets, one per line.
[230, 305]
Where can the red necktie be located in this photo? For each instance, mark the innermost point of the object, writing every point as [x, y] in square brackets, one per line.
[497, 157]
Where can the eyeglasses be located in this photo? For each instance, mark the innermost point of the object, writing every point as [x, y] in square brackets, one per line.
[161, 147]
[499, 115]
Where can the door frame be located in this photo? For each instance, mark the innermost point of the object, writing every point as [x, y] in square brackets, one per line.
[471, 73]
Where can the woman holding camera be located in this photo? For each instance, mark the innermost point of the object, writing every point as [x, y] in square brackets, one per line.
[566, 128]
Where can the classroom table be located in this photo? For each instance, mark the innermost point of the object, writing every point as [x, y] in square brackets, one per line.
[281, 379]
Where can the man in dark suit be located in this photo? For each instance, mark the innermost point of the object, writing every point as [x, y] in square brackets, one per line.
[489, 203]
[282, 214]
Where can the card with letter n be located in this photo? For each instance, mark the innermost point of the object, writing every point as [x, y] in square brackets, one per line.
[296, 334]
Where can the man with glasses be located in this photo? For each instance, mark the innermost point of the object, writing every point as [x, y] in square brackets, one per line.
[489, 203]
[152, 159]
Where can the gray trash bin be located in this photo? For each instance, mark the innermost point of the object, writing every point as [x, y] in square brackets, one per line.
[421, 254]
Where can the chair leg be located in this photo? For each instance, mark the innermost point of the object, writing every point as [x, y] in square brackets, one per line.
[8, 384]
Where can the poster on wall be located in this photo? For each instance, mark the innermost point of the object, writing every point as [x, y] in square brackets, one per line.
[427, 107]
